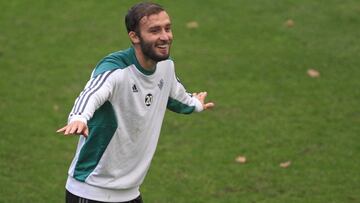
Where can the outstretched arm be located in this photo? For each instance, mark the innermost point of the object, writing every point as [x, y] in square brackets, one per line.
[180, 101]
[96, 92]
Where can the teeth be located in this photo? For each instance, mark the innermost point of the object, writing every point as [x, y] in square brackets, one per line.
[162, 46]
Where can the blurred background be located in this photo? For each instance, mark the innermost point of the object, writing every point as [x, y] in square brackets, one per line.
[284, 75]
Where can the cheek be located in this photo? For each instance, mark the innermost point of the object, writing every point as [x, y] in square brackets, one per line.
[147, 37]
[151, 39]
[171, 37]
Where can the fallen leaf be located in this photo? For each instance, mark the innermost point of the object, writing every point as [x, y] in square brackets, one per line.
[192, 25]
[289, 23]
[241, 159]
[313, 73]
[285, 164]
[56, 107]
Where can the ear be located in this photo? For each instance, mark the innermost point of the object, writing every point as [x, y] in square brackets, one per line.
[134, 37]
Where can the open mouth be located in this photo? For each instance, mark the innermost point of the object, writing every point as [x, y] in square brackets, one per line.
[163, 48]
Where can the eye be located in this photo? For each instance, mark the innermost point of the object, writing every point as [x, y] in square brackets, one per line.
[168, 29]
[154, 30]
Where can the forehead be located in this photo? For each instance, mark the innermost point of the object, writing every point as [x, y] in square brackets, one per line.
[160, 19]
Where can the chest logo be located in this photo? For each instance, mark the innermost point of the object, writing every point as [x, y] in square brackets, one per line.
[148, 99]
[161, 84]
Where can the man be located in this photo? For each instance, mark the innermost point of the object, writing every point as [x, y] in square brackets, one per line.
[120, 112]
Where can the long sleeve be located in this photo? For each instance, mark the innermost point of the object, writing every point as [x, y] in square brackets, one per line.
[97, 90]
[181, 101]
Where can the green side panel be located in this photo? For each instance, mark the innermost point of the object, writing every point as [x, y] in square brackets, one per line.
[101, 130]
[178, 107]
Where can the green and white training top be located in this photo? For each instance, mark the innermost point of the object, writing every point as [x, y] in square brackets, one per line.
[123, 105]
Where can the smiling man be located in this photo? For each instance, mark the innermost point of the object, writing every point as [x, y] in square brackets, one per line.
[119, 113]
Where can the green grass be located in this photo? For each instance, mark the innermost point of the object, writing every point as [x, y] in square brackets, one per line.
[252, 65]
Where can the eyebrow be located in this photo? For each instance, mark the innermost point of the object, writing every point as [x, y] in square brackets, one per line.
[158, 26]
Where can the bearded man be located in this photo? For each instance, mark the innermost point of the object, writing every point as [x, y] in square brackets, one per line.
[119, 113]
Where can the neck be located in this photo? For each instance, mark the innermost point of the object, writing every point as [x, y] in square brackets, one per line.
[145, 62]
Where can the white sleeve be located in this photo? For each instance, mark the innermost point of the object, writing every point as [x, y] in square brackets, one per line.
[181, 101]
[96, 92]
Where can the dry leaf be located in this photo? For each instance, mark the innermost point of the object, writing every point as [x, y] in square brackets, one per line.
[192, 25]
[241, 159]
[289, 23]
[56, 107]
[285, 164]
[313, 73]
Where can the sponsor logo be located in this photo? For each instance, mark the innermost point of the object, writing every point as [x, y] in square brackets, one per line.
[134, 88]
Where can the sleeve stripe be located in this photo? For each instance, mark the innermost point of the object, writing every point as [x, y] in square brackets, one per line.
[83, 94]
[86, 94]
[91, 90]
[102, 82]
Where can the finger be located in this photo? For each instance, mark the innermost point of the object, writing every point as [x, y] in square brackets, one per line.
[203, 94]
[86, 133]
[67, 129]
[198, 94]
[202, 97]
[80, 128]
[61, 130]
[74, 128]
[209, 105]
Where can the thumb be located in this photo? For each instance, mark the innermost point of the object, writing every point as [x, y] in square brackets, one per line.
[209, 105]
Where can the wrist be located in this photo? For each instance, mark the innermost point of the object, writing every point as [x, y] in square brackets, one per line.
[198, 105]
[77, 118]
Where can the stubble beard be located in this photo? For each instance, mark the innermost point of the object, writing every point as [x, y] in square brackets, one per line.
[147, 49]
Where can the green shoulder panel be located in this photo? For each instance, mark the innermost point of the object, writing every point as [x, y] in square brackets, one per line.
[120, 59]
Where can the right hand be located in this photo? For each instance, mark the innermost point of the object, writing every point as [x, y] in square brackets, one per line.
[75, 128]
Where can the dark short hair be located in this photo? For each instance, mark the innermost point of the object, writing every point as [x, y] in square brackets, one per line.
[137, 12]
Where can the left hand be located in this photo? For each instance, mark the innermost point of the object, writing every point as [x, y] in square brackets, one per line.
[201, 97]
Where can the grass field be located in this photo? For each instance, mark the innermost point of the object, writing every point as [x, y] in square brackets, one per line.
[254, 67]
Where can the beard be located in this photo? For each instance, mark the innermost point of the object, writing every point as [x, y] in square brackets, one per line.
[148, 49]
